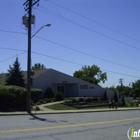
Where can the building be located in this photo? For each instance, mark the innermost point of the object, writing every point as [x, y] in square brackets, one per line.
[68, 85]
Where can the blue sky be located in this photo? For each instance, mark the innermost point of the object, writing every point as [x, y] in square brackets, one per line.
[105, 33]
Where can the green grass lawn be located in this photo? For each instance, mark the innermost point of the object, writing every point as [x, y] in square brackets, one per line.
[60, 107]
[100, 107]
[65, 107]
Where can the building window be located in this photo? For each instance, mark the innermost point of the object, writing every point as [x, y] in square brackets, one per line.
[83, 86]
[60, 89]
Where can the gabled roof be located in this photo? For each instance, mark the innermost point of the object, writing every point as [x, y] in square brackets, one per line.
[38, 73]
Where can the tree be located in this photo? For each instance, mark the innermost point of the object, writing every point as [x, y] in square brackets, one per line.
[1, 80]
[38, 66]
[124, 90]
[115, 97]
[136, 88]
[123, 101]
[15, 75]
[105, 96]
[112, 88]
[49, 93]
[91, 74]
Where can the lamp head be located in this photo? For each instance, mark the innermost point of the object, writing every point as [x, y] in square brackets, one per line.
[48, 24]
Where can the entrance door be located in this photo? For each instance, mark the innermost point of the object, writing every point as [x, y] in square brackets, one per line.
[60, 89]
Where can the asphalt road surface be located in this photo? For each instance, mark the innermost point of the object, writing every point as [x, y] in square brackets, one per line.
[76, 126]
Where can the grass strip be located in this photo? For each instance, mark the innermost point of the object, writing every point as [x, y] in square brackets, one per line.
[60, 107]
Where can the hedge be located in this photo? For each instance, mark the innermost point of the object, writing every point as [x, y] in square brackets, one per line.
[35, 94]
[20, 93]
[15, 97]
[6, 99]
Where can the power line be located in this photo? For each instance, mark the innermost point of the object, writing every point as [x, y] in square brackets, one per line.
[12, 49]
[12, 57]
[93, 21]
[57, 58]
[75, 51]
[70, 49]
[87, 28]
[68, 62]
[83, 64]
[86, 53]
[13, 32]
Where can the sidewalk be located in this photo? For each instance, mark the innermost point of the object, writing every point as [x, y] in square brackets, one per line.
[49, 111]
[42, 108]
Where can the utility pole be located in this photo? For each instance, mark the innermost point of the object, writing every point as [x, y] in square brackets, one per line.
[27, 21]
[121, 82]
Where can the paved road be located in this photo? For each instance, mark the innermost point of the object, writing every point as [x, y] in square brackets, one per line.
[76, 126]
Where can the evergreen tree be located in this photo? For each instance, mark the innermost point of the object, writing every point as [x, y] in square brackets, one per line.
[15, 75]
[105, 96]
[1, 80]
[123, 101]
[49, 93]
[115, 97]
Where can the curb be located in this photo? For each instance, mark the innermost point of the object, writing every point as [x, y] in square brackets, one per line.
[67, 111]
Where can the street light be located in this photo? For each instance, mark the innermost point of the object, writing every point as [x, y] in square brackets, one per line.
[29, 68]
[48, 24]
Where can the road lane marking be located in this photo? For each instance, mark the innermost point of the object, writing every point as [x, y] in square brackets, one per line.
[66, 126]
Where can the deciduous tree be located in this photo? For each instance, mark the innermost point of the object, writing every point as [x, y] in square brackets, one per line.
[38, 66]
[92, 74]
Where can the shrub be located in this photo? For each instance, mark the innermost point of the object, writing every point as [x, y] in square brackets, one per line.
[133, 104]
[127, 104]
[74, 100]
[37, 108]
[77, 100]
[44, 102]
[32, 103]
[51, 100]
[35, 94]
[38, 103]
[41, 101]
[59, 96]
[46, 99]
[81, 99]
[6, 99]
[99, 99]
[20, 100]
[49, 93]
[94, 99]
[89, 99]
[86, 100]
[68, 101]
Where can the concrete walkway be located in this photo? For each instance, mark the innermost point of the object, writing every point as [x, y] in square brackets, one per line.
[50, 111]
[43, 108]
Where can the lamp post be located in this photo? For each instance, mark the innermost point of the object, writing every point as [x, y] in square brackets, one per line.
[29, 68]
[47, 25]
